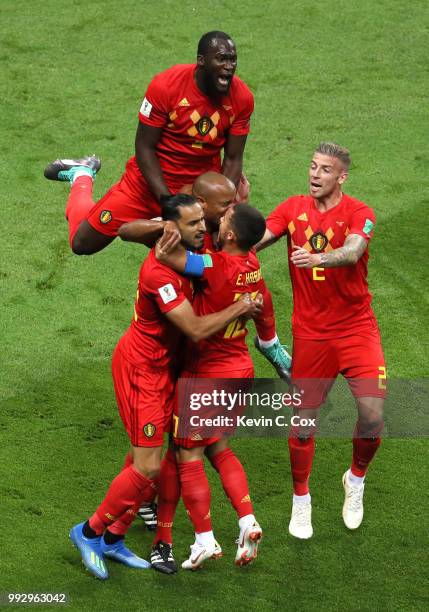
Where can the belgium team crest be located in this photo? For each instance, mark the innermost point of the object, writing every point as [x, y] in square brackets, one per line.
[105, 216]
[318, 242]
[149, 430]
[204, 126]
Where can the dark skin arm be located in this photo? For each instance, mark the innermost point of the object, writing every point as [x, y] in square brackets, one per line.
[232, 165]
[147, 138]
[198, 328]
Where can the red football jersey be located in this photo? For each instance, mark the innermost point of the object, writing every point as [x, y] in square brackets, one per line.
[210, 243]
[151, 340]
[194, 127]
[328, 302]
[221, 285]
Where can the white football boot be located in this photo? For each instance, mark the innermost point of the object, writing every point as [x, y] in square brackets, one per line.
[353, 503]
[248, 543]
[300, 523]
[199, 554]
[218, 553]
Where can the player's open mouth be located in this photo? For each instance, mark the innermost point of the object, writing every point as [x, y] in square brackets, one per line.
[315, 185]
[224, 81]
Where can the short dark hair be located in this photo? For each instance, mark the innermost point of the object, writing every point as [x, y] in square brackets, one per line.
[332, 149]
[248, 225]
[206, 40]
[170, 205]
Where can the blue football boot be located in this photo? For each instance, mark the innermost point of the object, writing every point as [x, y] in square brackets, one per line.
[65, 169]
[90, 551]
[119, 552]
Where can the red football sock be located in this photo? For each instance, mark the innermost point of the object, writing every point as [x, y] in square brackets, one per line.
[79, 203]
[125, 491]
[196, 494]
[121, 526]
[168, 497]
[364, 450]
[266, 323]
[234, 481]
[301, 452]
[124, 522]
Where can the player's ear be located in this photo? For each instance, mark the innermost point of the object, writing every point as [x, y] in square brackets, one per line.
[201, 61]
[343, 177]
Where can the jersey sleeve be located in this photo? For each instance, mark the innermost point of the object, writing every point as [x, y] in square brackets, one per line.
[245, 105]
[363, 223]
[215, 265]
[165, 286]
[155, 106]
[279, 219]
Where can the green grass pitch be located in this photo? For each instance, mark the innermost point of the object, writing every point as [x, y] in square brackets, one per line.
[73, 75]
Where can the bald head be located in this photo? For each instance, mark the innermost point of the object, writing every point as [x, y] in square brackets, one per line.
[216, 193]
[210, 182]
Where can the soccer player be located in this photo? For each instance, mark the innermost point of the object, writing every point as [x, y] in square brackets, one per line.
[216, 194]
[190, 113]
[143, 368]
[225, 275]
[334, 328]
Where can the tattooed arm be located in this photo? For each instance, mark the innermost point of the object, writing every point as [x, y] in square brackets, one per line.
[347, 255]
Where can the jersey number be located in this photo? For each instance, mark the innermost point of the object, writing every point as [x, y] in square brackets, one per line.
[237, 327]
[318, 274]
[382, 377]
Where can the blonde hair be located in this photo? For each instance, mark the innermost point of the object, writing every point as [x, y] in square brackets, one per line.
[335, 150]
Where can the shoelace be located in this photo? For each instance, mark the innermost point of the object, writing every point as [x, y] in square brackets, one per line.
[280, 357]
[302, 515]
[156, 557]
[166, 552]
[355, 496]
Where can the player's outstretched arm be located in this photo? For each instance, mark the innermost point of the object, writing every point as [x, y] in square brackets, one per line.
[143, 231]
[232, 165]
[267, 239]
[147, 138]
[198, 328]
[347, 255]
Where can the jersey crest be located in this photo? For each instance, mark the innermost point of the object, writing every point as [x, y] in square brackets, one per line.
[318, 242]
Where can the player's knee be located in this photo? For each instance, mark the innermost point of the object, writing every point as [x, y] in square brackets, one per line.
[80, 246]
[149, 469]
[153, 472]
[149, 465]
[370, 425]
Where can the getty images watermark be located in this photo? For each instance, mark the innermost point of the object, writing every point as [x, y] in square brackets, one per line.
[209, 408]
[222, 408]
